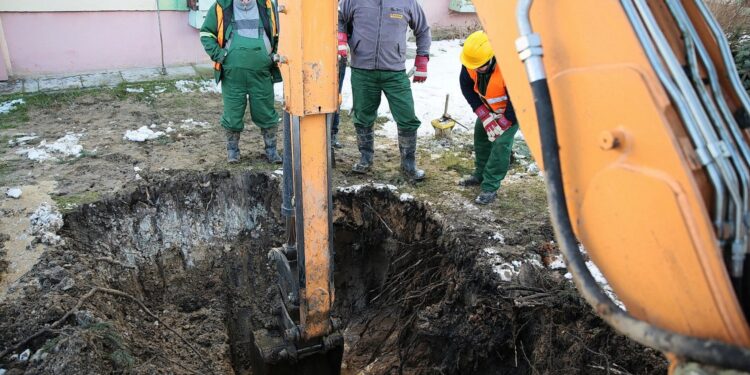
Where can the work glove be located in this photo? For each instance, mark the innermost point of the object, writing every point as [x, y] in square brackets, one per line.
[420, 64]
[494, 124]
[343, 40]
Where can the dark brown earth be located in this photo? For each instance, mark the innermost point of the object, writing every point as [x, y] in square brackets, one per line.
[192, 246]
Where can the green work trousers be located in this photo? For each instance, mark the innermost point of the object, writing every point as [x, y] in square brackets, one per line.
[367, 86]
[246, 77]
[492, 158]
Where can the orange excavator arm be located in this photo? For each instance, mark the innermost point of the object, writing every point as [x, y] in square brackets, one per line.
[646, 157]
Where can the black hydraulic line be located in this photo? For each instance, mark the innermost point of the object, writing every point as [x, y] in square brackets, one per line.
[710, 352]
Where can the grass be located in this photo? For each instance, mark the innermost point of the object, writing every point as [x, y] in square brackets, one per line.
[150, 89]
[67, 203]
[19, 116]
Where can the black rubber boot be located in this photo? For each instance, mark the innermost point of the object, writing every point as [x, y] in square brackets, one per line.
[486, 197]
[407, 144]
[471, 180]
[233, 146]
[366, 145]
[335, 142]
[269, 139]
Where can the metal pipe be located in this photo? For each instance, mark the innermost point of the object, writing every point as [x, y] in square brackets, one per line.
[726, 54]
[715, 147]
[161, 38]
[694, 47]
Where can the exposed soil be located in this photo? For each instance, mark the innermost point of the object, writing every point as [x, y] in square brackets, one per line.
[426, 281]
[193, 248]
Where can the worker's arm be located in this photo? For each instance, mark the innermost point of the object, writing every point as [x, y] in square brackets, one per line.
[345, 15]
[467, 88]
[421, 27]
[208, 33]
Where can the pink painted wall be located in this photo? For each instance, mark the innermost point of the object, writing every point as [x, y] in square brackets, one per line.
[439, 15]
[67, 42]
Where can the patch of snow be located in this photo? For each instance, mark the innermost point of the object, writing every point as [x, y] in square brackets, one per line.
[532, 169]
[45, 222]
[169, 129]
[429, 97]
[204, 86]
[134, 90]
[137, 168]
[142, 134]
[152, 126]
[357, 188]
[498, 237]
[14, 193]
[10, 105]
[405, 197]
[279, 172]
[491, 250]
[192, 124]
[602, 281]
[557, 263]
[159, 89]
[23, 357]
[21, 139]
[65, 146]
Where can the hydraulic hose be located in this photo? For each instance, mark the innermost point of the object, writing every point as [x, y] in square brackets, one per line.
[709, 352]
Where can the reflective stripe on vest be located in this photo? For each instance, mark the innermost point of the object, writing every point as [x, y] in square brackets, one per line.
[220, 37]
[496, 96]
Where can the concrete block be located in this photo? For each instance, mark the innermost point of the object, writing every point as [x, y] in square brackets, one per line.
[181, 72]
[104, 79]
[30, 85]
[11, 87]
[56, 84]
[141, 74]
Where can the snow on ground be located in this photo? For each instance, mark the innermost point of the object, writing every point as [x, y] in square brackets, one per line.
[559, 263]
[508, 270]
[14, 193]
[356, 188]
[142, 134]
[204, 86]
[65, 146]
[134, 90]
[45, 222]
[21, 139]
[429, 97]
[8, 106]
[190, 124]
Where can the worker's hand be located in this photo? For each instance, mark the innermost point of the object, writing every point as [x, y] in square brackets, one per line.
[222, 56]
[343, 47]
[494, 124]
[420, 64]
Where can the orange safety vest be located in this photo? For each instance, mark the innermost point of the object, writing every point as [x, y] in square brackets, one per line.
[496, 96]
[221, 28]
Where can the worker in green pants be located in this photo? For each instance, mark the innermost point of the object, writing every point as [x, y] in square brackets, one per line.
[241, 36]
[483, 87]
[375, 33]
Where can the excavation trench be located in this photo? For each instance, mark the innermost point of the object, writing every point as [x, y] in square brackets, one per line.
[412, 296]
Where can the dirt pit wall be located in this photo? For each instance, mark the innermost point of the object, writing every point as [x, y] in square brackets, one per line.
[171, 278]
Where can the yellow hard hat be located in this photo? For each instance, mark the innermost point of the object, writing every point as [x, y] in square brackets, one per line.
[477, 50]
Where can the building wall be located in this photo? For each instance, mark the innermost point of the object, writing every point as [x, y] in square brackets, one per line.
[62, 42]
[70, 36]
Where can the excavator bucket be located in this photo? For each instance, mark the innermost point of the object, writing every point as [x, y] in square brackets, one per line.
[304, 339]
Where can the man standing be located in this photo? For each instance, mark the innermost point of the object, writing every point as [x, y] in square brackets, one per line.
[484, 88]
[375, 31]
[241, 36]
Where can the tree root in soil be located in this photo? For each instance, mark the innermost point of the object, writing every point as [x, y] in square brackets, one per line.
[51, 328]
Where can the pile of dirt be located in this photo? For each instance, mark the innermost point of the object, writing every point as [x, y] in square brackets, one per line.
[172, 277]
